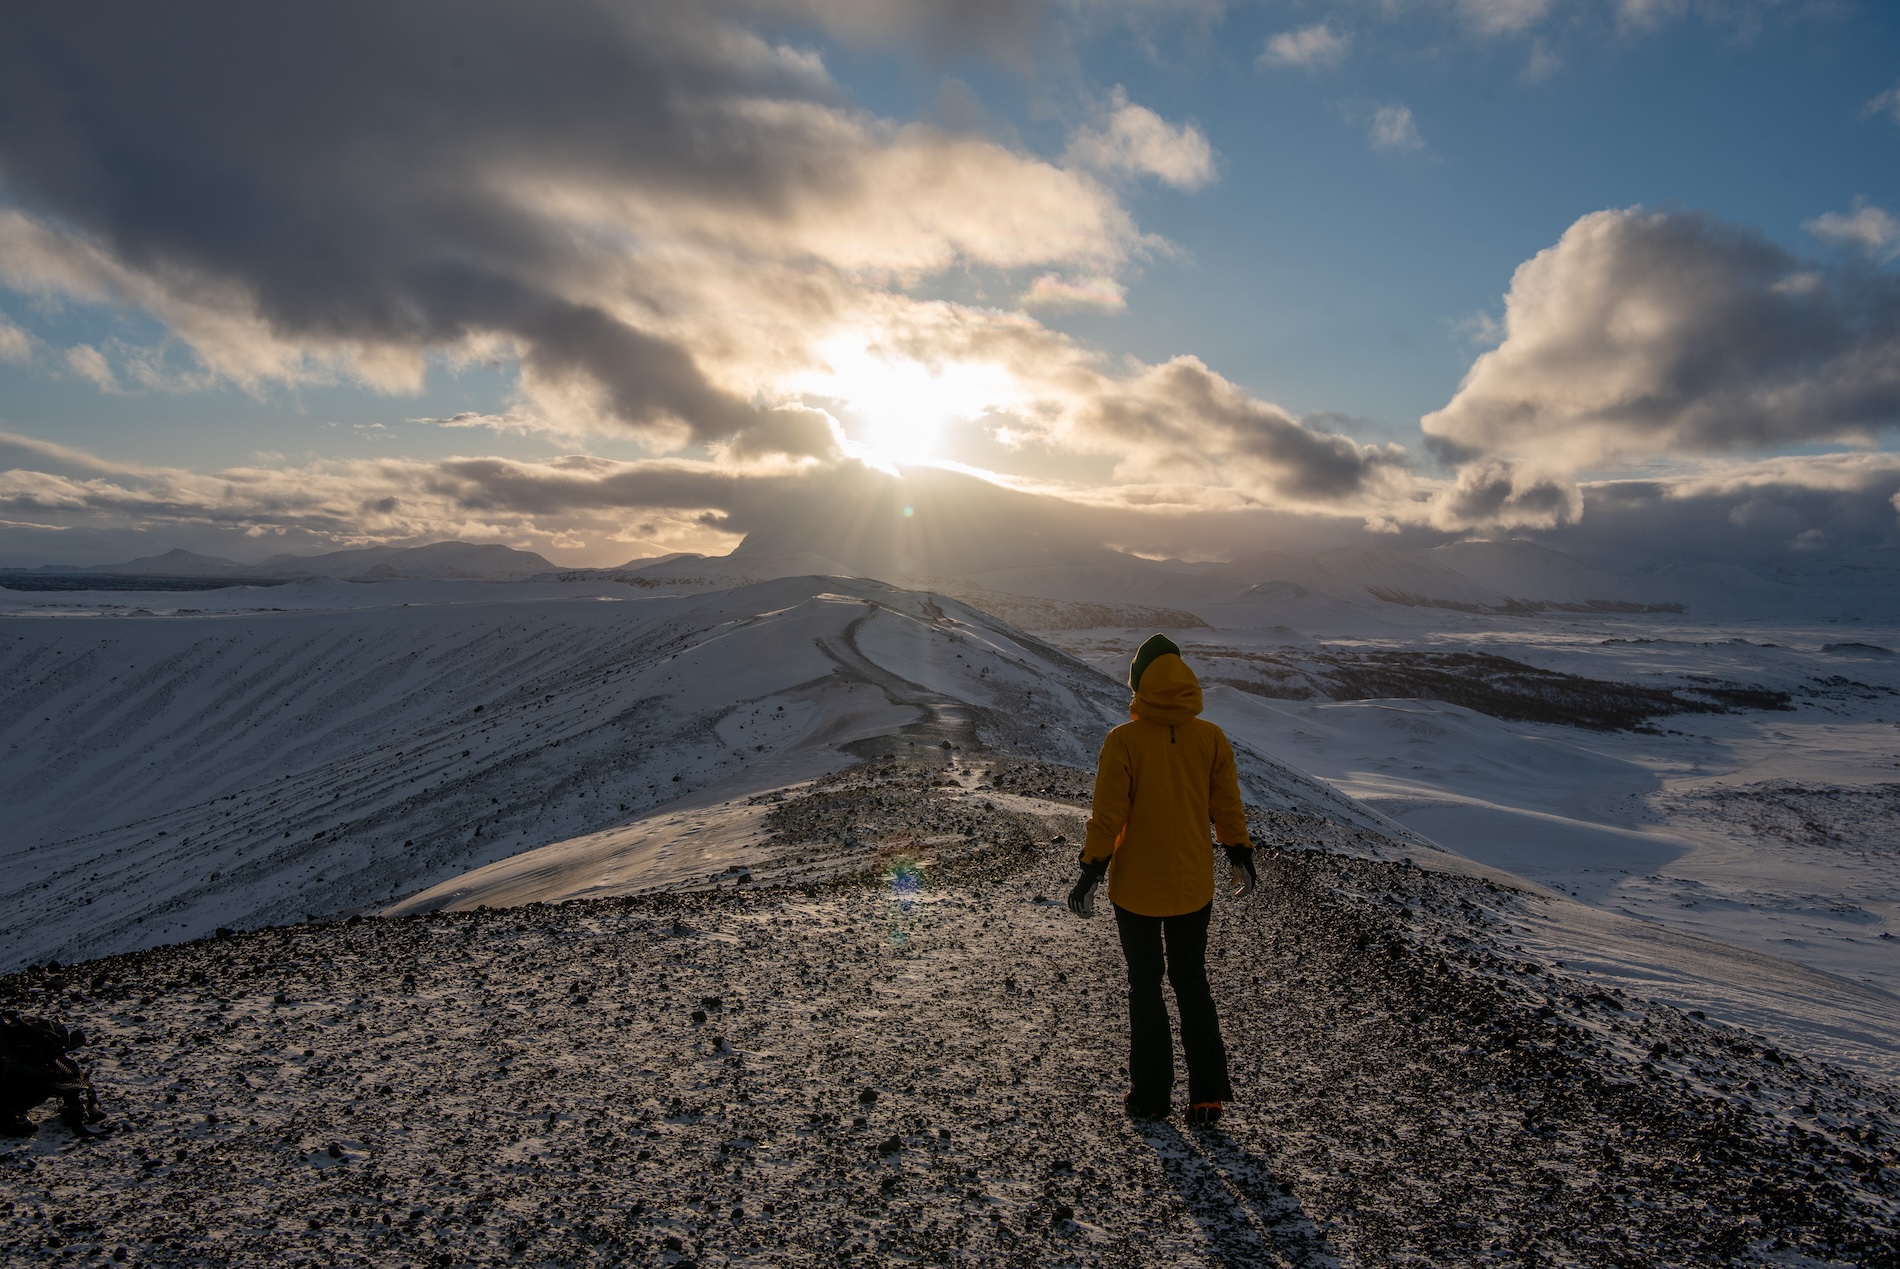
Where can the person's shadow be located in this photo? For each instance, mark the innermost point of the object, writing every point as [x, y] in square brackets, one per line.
[1248, 1215]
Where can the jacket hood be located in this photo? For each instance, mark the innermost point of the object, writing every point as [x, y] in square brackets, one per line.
[1169, 692]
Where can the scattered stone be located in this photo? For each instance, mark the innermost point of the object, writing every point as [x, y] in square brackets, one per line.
[1400, 1100]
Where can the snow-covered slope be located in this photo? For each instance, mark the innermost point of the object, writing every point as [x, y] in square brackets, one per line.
[1864, 588]
[168, 774]
[685, 574]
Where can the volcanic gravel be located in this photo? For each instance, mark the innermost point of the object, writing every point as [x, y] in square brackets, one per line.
[923, 1062]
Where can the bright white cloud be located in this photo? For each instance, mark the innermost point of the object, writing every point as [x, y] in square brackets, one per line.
[1394, 128]
[1311, 47]
[1133, 140]
[1869, 228]
[1654, 333]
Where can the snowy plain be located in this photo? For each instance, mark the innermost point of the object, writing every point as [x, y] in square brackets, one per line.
[1775, 830]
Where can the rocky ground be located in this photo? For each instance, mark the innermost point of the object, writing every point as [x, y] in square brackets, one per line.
[1860, 819]
[915, 1056]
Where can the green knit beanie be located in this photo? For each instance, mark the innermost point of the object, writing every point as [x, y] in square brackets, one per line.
[1156, 645]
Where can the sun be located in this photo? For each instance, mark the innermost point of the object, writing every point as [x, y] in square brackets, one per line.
[900, 410]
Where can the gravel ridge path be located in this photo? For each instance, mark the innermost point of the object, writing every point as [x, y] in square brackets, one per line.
[922, 1062]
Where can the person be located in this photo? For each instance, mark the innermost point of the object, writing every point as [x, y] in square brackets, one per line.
[1161, 779]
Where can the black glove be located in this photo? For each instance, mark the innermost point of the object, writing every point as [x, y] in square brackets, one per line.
[1241, 857]
[1082, 898]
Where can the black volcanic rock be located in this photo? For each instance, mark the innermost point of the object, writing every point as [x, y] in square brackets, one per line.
[1402, 1095]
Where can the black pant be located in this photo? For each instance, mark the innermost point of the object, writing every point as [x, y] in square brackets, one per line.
[1150, 1047]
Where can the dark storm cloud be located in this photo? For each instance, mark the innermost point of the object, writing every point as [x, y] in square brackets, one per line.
[1494, 494]
[1182, 418]
[925, 521]
[1758, 515]
[366, 174]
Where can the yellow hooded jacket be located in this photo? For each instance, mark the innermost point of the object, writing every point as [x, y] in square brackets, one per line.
[1160, 781]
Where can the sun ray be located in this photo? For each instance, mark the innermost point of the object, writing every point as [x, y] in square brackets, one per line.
[898, 409]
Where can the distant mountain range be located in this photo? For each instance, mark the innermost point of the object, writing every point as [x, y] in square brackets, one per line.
[466, 560]
[1509, 577]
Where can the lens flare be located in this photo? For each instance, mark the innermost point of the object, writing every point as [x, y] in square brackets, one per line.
[904, 882]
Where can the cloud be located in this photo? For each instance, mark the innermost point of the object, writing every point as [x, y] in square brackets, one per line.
[555, 504]
[579, 509]
[847, 511]
[1393, 128]
[15, 343]
[1053, 291]
[1135, 141]
[1490, 495]
[1181, 421]
[1673, 333]
[1540, 65]
[1867, 227]
[1504, 17]
[1886, 103]
[1755, 514]
[652, 208]
[1648, 15]
[90, 364]
[1001, 29]
[1311, 47]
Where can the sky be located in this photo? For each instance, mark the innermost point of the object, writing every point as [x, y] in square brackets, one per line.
[1195, 279]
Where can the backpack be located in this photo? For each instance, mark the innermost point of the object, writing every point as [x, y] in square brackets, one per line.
[34, 1066]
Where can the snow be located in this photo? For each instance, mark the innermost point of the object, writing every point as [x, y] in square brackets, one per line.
[1515, 988]
[921, 1064]
[169, 774]
[338, 713]
[1692, 823]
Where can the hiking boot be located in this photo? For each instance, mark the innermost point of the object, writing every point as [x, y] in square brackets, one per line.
[1144, 1109]
[1204, 1113]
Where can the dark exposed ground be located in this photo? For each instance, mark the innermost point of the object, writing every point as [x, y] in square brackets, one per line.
[1028, 612]
[924, 1065]
[1823, 816]
[1482, 681]
[128, 581]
